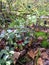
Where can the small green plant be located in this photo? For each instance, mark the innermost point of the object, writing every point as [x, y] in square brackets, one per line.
[5, 57]
[44, 44]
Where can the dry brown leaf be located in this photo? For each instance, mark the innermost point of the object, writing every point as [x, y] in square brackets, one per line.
[40, 61]
[16, 56]
[31, 54]
[42, 50]
[44, 55]
[37, 29]
[36, 52]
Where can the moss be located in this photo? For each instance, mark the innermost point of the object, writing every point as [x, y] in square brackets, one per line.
[44, 44]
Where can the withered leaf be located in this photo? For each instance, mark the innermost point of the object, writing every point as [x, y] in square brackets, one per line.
[44, 55]
[16, 56]
[31, 54]
[40, 61]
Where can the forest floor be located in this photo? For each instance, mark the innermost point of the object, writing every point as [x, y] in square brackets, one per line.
[33, 54]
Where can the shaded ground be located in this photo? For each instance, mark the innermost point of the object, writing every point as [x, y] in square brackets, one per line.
[33, 53]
